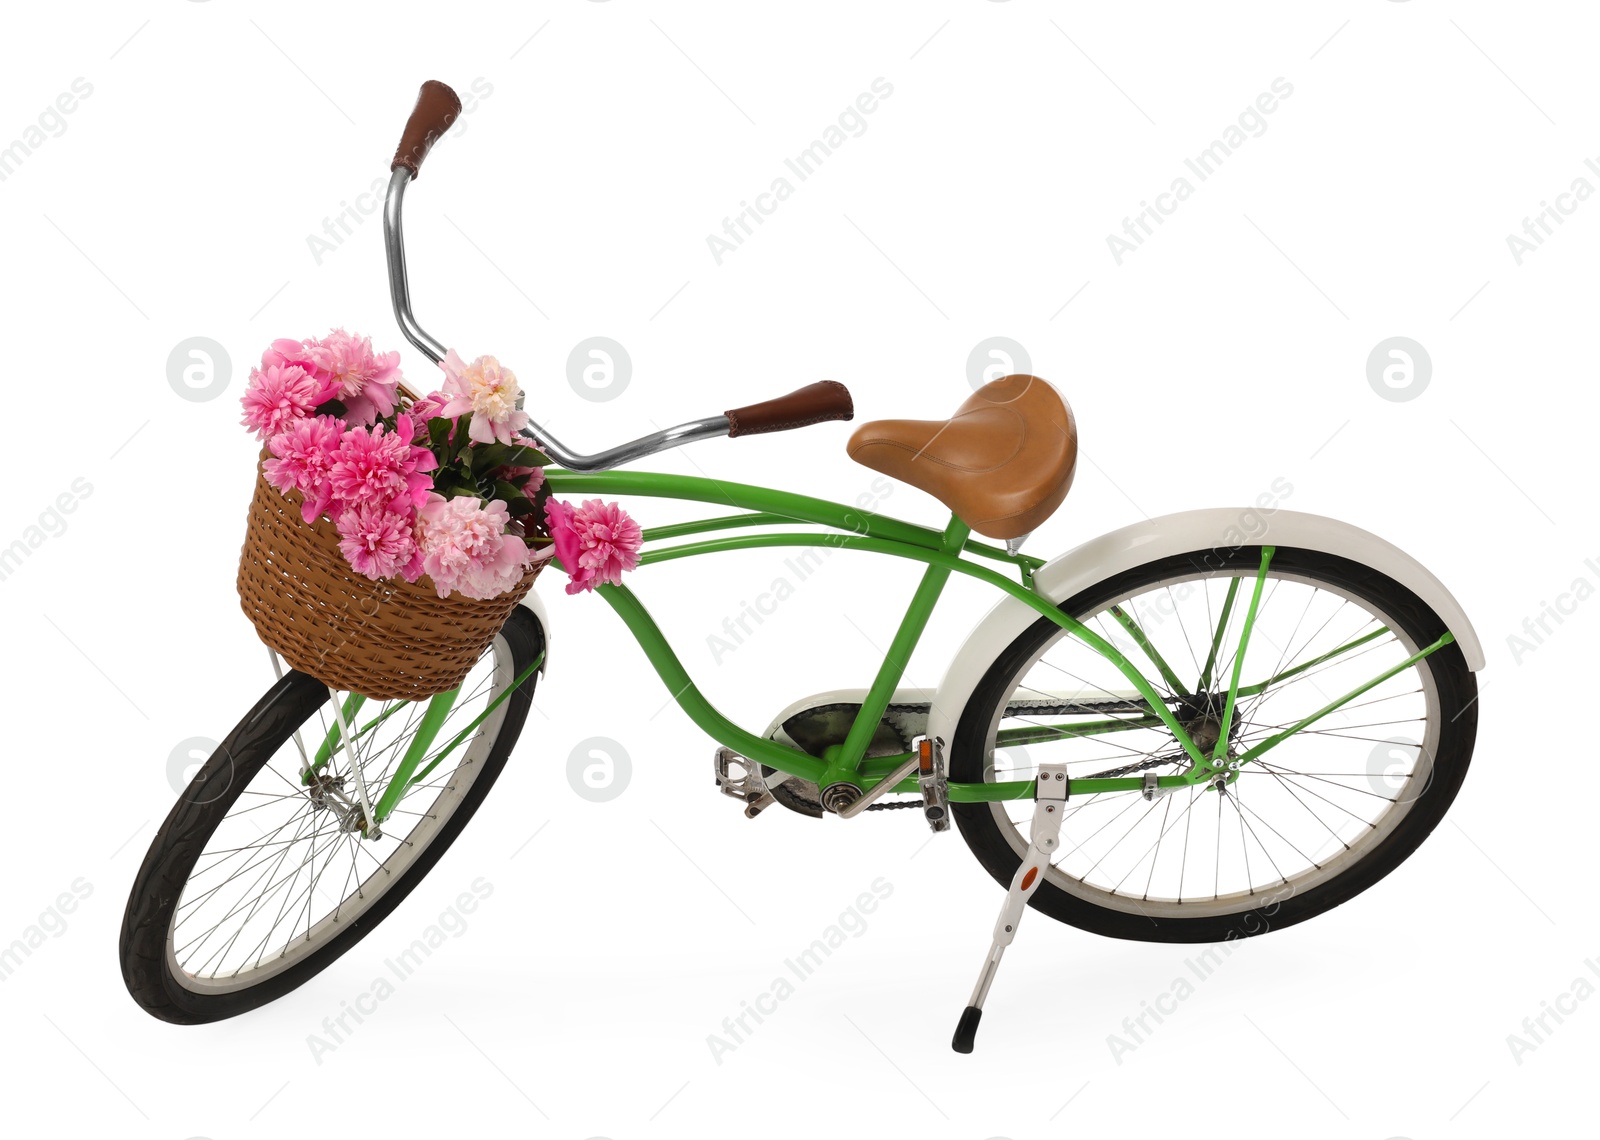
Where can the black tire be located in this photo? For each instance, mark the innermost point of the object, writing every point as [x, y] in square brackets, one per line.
[182, 839]
[1456, 686]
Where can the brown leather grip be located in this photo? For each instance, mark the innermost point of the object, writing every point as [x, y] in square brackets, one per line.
[437, 107]
[813, 404]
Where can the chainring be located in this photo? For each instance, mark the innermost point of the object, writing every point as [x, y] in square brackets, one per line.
[815, 729]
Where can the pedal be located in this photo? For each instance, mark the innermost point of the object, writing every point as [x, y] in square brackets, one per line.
[741, 779]
[1050, 798]
[931, 779]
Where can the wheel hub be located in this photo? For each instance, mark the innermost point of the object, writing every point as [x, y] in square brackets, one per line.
[1202, 720]
[1205, 732]
[327, 791]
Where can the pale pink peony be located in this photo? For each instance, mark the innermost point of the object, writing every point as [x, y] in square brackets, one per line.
[486, 390]
[465, 547]
[382, 467]
[303, 459]
[279, 395]
[498, 574]
[379, 542]
[595, 542]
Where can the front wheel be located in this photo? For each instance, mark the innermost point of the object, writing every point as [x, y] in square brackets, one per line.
[1308, 825]
[262, 876]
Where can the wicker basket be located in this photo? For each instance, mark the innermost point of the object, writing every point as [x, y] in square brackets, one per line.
[390, 640]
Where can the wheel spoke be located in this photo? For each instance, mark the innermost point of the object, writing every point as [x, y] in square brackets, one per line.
[1286, 824]
[286, 867]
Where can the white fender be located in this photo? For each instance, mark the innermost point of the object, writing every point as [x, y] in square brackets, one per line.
[1221, 529]
[532, 601]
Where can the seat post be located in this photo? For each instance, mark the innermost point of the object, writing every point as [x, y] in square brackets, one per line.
[844, 762]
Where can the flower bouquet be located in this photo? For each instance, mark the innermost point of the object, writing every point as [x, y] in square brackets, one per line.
[391, 535]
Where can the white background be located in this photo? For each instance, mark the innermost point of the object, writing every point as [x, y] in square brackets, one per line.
[1227, 352]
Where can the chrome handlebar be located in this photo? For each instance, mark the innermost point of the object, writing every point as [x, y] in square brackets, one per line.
[395, 250]
[400, 296]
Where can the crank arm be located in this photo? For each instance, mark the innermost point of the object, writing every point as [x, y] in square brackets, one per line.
[879, 789]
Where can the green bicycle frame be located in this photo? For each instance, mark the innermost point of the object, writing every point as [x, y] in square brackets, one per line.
[946, 552]
[943, 553]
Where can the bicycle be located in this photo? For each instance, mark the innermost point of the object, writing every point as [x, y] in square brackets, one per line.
[1122, 664]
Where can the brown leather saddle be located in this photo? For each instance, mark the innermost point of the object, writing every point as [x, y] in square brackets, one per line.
[1003, 463]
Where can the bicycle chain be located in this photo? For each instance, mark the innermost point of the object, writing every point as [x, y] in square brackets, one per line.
[1130, 769]
[1125, 770]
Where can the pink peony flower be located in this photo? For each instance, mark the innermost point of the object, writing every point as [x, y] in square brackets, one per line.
[535, 477]
[486, 390]
[379, 542]
[303, 459]
[563, 536]
[286, 351]
[382, 467]
[465, 546]
[428, 407]
[366, 380]
[595, 542]
[280, 395]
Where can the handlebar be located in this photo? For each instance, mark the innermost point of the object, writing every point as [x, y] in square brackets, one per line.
[437, 108]
[394, 246]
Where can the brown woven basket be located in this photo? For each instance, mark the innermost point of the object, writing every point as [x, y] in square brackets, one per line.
[390, 640]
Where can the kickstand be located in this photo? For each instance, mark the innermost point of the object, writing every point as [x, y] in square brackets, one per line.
[1051, 797]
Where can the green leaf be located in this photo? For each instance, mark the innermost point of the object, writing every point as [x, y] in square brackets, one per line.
[488, 456]
[457, 481]
[438, 435]
[461, 440]
[516, 502]
[522, 456]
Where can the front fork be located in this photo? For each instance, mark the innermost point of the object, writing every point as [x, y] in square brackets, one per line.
[345, 709]
[420, 758]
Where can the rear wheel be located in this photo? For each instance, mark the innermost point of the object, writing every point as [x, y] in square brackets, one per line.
[1310, 824]
[258, 881]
